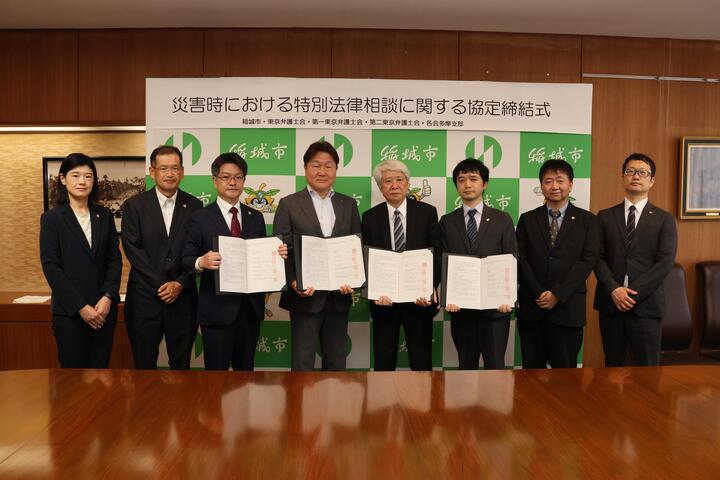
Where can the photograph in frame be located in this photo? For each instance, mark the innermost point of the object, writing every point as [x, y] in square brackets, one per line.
[700, 178]
[119, 178]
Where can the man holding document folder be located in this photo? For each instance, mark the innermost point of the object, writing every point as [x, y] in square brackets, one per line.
[400, 224]
[320, 212]
[230, 323]
[477, 230]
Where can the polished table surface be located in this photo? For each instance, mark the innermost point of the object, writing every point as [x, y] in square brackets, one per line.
[658, 422]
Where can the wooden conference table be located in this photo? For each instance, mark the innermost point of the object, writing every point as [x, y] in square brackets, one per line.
[654, 423]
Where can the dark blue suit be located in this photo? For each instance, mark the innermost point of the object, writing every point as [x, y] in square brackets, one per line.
[80, 275]
[230, 323]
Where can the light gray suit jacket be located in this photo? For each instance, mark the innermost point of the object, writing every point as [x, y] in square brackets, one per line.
[296, 216]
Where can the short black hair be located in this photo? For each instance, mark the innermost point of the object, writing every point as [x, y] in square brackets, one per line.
[471, 165]
[643, 158]
[71, 162]
[225, 158]
[556, 165]
[165, 150]
[320, 147]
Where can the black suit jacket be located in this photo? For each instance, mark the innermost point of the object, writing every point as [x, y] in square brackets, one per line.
[647, 262]
[154, 256]
[496, 236]
[296, 216]
[78, 274]
[562, 269]
[421, 232]
[203, 228]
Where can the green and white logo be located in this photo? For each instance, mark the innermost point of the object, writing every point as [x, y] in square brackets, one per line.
[344, 147]
[491, 153]
[424, 152]
[188, 141]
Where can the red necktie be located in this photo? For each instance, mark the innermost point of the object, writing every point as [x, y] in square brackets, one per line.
[235, 229]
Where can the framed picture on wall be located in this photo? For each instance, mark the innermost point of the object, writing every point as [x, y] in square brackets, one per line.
[119, 178]
[700, 178]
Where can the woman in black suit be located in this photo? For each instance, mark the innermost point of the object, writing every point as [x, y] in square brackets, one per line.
[82, 264]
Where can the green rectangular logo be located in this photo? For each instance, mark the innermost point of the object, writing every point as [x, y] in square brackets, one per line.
[269, 151]
[535, 148]
[423, 151]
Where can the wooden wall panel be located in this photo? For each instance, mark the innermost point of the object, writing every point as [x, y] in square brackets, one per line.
[693, 109]
[520, 57]
[624, 56]
[39, 77]
[114, 64]
[693, 58]
[626, 118]
[267, 52]
[402, 54]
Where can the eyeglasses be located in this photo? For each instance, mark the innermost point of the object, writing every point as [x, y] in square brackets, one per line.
[227, 178]
[165, 169]
[642, 173]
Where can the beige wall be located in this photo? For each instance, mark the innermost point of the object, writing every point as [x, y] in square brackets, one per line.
[21, 195]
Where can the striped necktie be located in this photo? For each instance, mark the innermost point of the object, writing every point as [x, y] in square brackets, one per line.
[398, 232]
[472, 232]
[630, 227]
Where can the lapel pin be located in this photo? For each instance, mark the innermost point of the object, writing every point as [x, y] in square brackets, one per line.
[651, 212]
[97, 215]
[487, 219]
[572, 218]
[184, 206]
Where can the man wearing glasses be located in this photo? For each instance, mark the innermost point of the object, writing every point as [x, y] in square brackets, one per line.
[230, 323]
[161, 296]
[638, 242]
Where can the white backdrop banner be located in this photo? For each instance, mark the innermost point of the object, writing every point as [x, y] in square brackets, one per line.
[362, 104]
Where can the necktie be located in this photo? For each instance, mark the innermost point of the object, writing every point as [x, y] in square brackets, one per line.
[235, 229]
[472, 232]
[399, 233]
[554, 227]
[630, 227]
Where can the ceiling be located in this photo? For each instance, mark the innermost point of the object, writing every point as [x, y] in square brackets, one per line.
[691, 19]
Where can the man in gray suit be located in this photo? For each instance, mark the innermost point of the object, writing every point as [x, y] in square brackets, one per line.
[321, 212]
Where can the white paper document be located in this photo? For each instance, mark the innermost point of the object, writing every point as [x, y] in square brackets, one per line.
[328, 263]
[400, 276]
[481, 283]
[250, 266]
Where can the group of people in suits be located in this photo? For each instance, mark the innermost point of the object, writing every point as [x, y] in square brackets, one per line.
[169, 239]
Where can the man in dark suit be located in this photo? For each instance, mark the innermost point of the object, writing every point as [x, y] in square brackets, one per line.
[400, 224]
[637, 251]
[161, 296]
[557, 250]
[317, 211]
[230, 323]
[478, 230]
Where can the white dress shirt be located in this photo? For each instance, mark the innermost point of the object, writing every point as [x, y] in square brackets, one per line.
[85, 225]
[167, 207]
[324, 210]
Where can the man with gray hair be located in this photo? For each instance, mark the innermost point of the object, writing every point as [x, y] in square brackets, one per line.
[400, 223]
